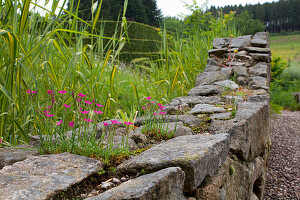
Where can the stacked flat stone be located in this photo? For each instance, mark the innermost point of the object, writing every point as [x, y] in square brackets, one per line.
[228, 162]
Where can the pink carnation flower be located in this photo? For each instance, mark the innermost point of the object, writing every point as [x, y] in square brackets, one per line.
[88, 120]
[62, 92]
[71, 124]
[81, 95]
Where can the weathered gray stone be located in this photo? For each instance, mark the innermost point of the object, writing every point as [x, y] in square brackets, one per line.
[258, 50]
[205, 90]
[206, 108]
[258, 82]
[207, 78]
[259, 43]
[42, 177]
[242, 80]
[261, 35]
[231, 99]
[197, 155]
[242, 53]
[238, 64]
[212, 68]
[165, 184]
[259, 92]
[10, 155]
[176, 128]
[221, 116]
[259, 98]
[227, 84]
[241, 41]
[260, 69]
[240, 71]
[260, 39]
[234, 180]
[260, 57]
[219, 43]
[193, 100]
[189, 120]
[217, 52]
[213, 61]
[249, 130]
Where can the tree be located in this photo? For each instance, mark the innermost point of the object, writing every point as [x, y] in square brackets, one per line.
[144, 11]
[247, 25]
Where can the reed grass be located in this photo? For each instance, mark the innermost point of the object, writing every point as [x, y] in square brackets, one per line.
[52, 56]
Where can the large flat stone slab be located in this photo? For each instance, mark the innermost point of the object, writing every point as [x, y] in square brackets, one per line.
[164, 184]
[42, 177]
[241, 41]
[205, 90]
[206, 108]
[208, 78]
[261, 57]
[260, 69]
[258, 82]
[193, 100]
[8, 156]
[189, 120]
[197, 155]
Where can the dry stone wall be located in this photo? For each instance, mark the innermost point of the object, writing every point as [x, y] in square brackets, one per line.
[220, 149]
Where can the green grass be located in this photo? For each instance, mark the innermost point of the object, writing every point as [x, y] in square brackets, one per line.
[56, 58]
[287, 46]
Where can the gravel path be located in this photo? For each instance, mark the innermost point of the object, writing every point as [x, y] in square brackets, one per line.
[283, 177]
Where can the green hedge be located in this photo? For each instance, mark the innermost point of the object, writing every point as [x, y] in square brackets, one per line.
[144, 40]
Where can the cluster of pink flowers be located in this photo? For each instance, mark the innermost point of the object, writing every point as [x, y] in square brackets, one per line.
[160, 107]
[31, 92]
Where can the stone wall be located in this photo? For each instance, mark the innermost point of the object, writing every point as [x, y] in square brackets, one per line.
[221, 144]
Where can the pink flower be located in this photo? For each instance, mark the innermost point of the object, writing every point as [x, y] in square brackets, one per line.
[33, 92]
[0, 140]
[78, 99]
[62, 92]
[148, 97]
[163, 113]
[81, 95]
[87, 102]
[99, 105]
[48, 107]
[105, 124]
[46, 111]
[115, 122]
[128, 123]
[98, 112]
[49, 115]
[49, 91]
[143, 107]
[28, 92]
[71, 124]
[59, 123]
[152, 102]
[67, 106]
[88, 120]
[84, 112]
[154, 113]
[159, 104]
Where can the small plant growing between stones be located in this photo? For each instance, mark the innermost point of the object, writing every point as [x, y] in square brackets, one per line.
[68, 123]
[156, 124]
[227, 62]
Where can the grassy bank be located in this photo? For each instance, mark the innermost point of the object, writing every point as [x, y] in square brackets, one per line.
[35, 61]
[286, 69]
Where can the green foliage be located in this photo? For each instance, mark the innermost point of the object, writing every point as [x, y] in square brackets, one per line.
[283, 87]
[174, 24]
[143, 11]
[246, 25]
[279, 16]
[278, 65]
